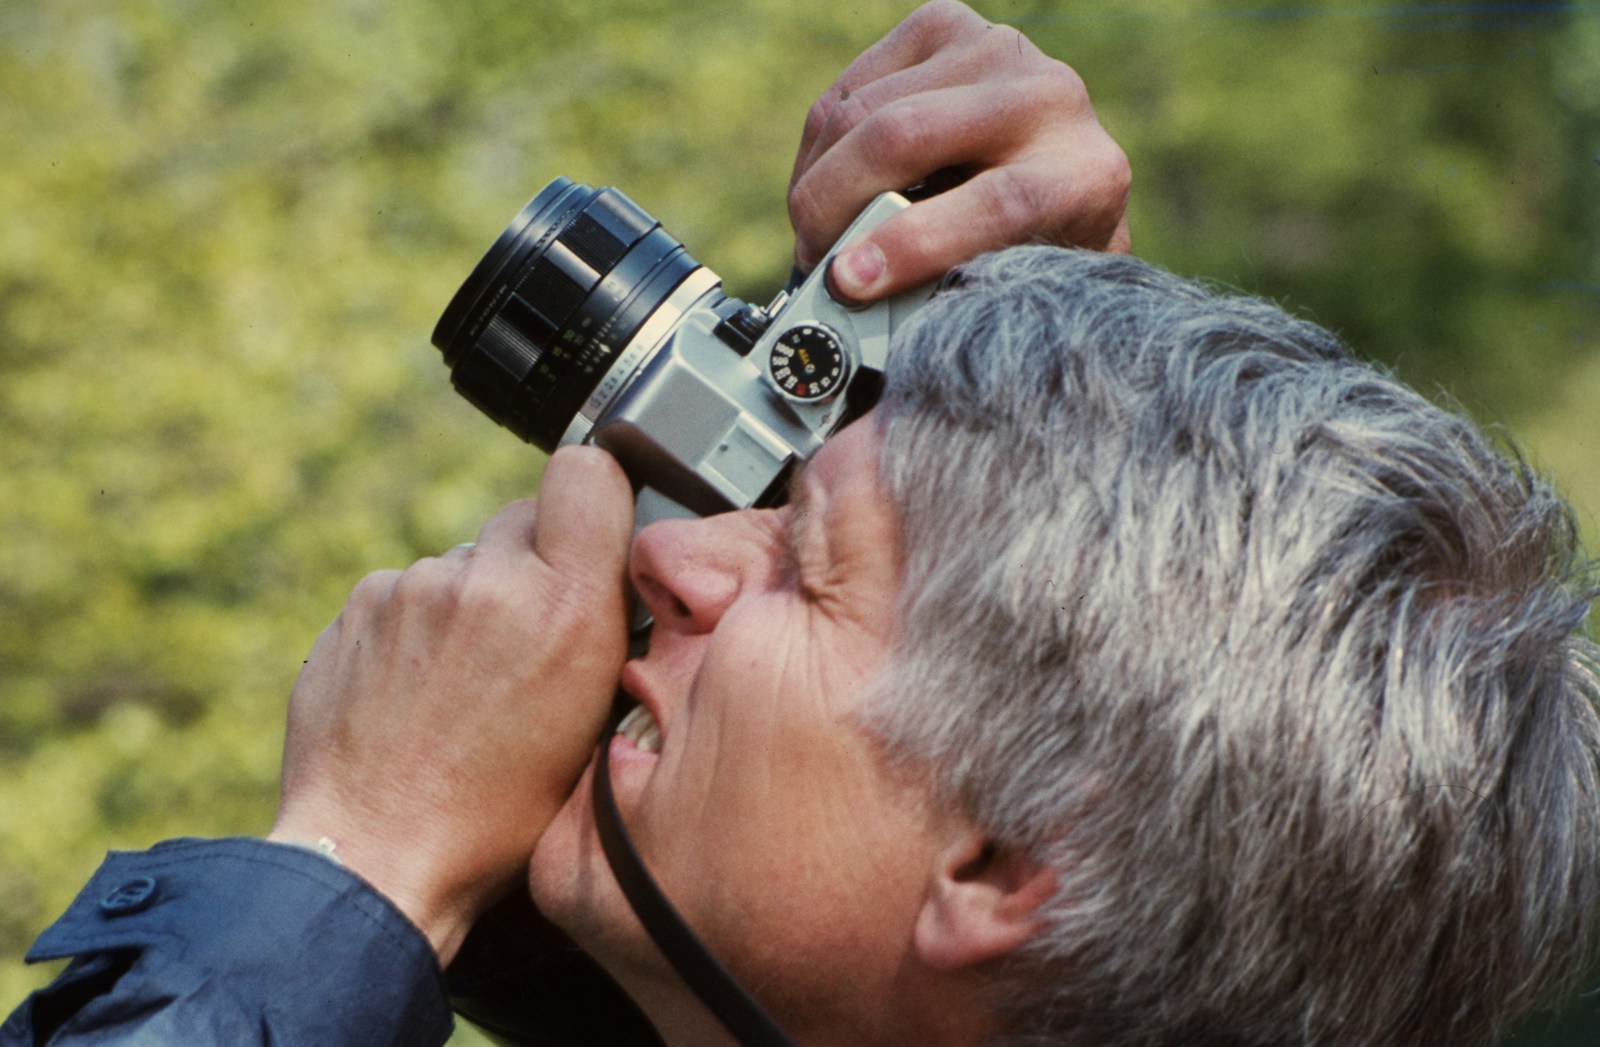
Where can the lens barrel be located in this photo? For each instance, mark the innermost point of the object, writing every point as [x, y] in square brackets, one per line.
[545, 314]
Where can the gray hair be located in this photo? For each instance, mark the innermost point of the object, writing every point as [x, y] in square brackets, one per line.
[1278, 665]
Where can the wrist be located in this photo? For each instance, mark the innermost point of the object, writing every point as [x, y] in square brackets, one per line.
[443, 916]
[322, 846]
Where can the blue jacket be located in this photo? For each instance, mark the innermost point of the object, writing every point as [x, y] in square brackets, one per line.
[235, 942]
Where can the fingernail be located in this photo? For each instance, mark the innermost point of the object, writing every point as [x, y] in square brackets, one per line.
[858, 271]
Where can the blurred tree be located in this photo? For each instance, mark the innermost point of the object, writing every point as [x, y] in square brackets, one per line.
[230, 227]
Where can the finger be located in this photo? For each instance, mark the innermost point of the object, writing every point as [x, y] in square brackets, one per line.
[987, 58]
[996, 208]
[981, 125]
[1067, 184]
[1121, 241]
[901, 144]
[585, 518]
[815, 202]
[509, 530]
[369, 596]
[922, 34]
[1001, 69]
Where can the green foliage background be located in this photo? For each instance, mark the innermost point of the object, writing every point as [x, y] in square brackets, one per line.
[226, 230]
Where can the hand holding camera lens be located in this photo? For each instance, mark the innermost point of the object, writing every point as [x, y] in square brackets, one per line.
[445, 715]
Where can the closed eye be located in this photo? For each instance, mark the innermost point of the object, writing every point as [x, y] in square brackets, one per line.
[793, 567]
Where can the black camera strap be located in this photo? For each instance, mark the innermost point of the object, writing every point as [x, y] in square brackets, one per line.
[735, 1008]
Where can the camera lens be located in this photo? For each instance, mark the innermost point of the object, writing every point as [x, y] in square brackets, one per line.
[544, 316]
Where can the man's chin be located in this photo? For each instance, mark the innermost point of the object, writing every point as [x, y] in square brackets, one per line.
[557, 864]
[571, 881]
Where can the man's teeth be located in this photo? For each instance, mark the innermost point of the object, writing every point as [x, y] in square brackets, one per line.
[640, 728]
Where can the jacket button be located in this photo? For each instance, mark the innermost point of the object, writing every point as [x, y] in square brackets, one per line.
[133, 896]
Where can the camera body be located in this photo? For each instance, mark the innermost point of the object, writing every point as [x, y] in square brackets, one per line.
[588, 323]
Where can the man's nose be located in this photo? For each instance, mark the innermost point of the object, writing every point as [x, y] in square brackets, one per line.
[688, 572]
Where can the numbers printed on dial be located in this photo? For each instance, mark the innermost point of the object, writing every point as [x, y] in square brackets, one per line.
[807, 363]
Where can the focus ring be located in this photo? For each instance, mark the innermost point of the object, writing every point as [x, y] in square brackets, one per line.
[543, 317]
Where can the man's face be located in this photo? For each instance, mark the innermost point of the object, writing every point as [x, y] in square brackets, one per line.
[768, 815]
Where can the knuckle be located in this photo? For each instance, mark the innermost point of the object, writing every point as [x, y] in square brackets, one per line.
[821, 109]
[1004, 45]
[1016, 203]
[838, 111]
[1059, 84]
[1080, 203]
[372, 591]
[897, 133]
[850, 110]
[423, 583]
[523, 510]
[1116, 170]
[476, 598]
[480, 595]
[1103, 192]
[807, 211]
[940, 19]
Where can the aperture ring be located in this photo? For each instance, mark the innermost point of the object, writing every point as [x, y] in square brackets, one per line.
[697, 285]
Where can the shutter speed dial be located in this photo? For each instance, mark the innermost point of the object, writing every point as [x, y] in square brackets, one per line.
[808, 363]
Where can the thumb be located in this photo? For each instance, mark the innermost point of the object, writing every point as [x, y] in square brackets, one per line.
[585, 521]
[860, 273]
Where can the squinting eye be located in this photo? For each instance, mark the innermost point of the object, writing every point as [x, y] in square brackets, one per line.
[798, 540]
[794, 575]
[802, 582]
[808, 594]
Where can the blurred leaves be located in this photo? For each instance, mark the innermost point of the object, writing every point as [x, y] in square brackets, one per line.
[228, 229]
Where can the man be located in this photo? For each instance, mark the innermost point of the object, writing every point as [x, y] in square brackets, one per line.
[1140, 670]
[429, 760]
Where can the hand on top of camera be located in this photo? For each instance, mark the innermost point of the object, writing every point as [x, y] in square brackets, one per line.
[947, 95]
[445, 715]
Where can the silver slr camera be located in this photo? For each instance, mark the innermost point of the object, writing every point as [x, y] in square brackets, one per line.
[588, 322]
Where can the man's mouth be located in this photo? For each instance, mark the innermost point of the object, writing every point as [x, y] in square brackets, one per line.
[640, 728]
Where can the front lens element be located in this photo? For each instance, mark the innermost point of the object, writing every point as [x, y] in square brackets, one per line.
[543, 317]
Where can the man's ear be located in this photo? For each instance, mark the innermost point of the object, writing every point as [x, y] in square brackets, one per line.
[983, 901]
